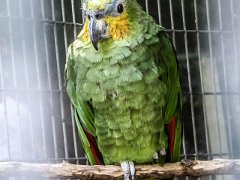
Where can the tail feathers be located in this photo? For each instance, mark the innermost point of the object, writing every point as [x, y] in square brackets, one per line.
[175, 138]
[172, 129]
[94, 149]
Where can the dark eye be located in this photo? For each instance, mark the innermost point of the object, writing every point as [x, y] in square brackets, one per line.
[120, 8]
[89, 17]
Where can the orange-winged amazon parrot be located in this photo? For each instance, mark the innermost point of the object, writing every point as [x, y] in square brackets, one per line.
[123, 81]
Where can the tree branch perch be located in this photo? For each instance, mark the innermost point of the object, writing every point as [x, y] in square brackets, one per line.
[168, 170]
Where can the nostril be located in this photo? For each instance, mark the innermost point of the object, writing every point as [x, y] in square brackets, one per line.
[98, 15]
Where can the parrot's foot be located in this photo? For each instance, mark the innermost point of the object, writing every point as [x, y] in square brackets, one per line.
[159, 156]
[163, 152]
[155, 158]
[128, 170]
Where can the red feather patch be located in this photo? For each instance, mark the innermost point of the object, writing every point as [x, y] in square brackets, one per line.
[172, 128]
[94, 148]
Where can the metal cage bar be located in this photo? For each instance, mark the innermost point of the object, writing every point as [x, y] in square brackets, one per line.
[14, 86]
[24, 45]
[225, 83]
[5, 112]
[201, 79]
[189, 79]
[212, 64]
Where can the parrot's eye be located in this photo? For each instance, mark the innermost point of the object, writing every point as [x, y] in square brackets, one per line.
[120, 8]
[89, 17]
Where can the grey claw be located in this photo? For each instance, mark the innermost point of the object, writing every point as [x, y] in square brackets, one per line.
[163, 152]
[132, 169]
[126, 170]
[155, 157]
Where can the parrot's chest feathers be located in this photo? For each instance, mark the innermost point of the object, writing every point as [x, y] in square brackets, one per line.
[127, 98]
[118, 73]
[114, 83]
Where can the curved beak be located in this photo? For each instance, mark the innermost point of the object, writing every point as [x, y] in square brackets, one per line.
[97, 30]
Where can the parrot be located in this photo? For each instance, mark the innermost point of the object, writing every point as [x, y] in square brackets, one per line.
[123, 82]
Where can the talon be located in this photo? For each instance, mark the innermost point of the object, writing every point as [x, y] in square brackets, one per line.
[155, 155]
[126, 170]
[163, 152]
[155, 158]
[132, 169]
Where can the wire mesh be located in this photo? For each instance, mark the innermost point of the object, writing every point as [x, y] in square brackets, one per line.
[36, 119]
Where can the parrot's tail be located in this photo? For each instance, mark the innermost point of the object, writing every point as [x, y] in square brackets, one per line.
[94, 149]
[175, 138]
[172, 128]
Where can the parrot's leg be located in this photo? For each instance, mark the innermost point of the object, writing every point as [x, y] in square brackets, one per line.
[132, 169]
[155, 158]
[128, 169]
[163, 152]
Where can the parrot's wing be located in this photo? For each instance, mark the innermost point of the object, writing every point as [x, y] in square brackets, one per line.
[83, 113]
[167, 62]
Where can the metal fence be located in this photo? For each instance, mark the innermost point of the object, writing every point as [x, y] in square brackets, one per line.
[36, 121]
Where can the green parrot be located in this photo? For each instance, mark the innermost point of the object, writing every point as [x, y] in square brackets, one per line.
[122, 79]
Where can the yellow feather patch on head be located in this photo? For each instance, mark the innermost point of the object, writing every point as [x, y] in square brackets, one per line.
[95, 4]
[119, 26]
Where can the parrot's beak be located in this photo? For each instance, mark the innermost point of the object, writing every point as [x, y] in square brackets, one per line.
[97, 30]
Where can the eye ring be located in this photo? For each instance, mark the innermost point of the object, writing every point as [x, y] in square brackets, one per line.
[120, 8]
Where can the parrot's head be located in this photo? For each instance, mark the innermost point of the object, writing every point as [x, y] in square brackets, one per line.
[106, 19]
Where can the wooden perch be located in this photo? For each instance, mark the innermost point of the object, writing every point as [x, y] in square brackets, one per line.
[71, 171]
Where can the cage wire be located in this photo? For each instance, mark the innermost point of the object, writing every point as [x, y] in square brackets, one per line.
[36, 119]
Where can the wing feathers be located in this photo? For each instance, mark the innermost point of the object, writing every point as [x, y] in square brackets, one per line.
[173, 106]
